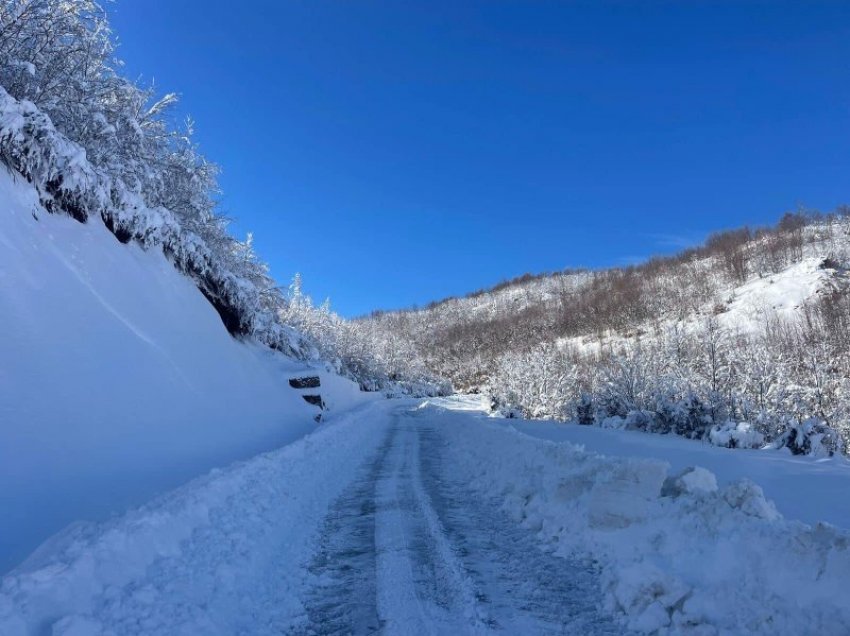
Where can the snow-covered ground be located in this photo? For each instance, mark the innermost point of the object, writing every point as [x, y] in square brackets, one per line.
[804, 488]
[681, 550]
[359, 527]
[779, 295]
[221, 555]
[117, 378]
[412, 517]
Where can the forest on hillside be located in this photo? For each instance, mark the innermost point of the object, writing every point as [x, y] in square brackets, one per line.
[683, 344]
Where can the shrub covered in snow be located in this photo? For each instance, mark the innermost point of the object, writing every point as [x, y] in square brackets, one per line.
[613, 421]
[740, 390]
[812, 437]
[736, 435]
[639, 420]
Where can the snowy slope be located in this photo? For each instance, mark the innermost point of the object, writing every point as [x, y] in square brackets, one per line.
[782, 293]
[117, 378]
[746, 307]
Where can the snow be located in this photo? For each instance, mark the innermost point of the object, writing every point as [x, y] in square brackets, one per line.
[357, 527]
[746, 306]
[339, 394]
[117, 378]
[780, 294]
[678, 554]
[804, 488]
[206, 558]
[692, 480]
[736, 435]
[389, 515]
[119, 382]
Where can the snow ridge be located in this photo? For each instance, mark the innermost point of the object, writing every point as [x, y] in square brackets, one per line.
[184, 562]
[678, 555]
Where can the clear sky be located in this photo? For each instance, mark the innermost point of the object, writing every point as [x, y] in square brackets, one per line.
[397, 152]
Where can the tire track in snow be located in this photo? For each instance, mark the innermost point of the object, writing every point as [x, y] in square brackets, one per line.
[422, 588]
[520, 588]
[343, 598]
[380, 568]
[409, 550]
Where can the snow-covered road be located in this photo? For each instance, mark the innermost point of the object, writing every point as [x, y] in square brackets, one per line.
[417, 517]
[363, 527]
[409, 549]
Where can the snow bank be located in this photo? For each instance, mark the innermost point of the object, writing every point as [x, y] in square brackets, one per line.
[678, 554]
[207, 558]
[117, 378]
[804, 488]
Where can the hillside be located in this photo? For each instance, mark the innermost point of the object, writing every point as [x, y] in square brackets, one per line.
[119, 379]
[741, 340]
[96, 146]
[142, 343]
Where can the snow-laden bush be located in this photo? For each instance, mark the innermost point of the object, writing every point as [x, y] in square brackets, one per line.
[692, 383]
[639, 420]
[584, 411]
[683, 415]
[736, 435]
[811, 437]
[613, 421]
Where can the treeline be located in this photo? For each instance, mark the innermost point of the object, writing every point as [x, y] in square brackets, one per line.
[95, 144]
[376, 357]
[652, 347]
[785, 384]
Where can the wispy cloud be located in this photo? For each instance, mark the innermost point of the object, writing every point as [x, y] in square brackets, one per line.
[675, 241]
[631, 260]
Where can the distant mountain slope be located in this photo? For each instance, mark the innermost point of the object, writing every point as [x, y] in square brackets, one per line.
[750, 329]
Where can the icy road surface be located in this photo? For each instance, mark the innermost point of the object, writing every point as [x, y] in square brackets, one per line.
[427, 517]
[409, 549]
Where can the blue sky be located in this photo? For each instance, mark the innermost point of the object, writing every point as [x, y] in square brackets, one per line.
[397, 152]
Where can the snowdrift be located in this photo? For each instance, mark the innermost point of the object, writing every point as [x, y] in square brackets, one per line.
[117, 378]
[679, 555]
[206, 558]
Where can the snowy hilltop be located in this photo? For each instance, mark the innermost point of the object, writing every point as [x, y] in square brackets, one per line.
[741, 341]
